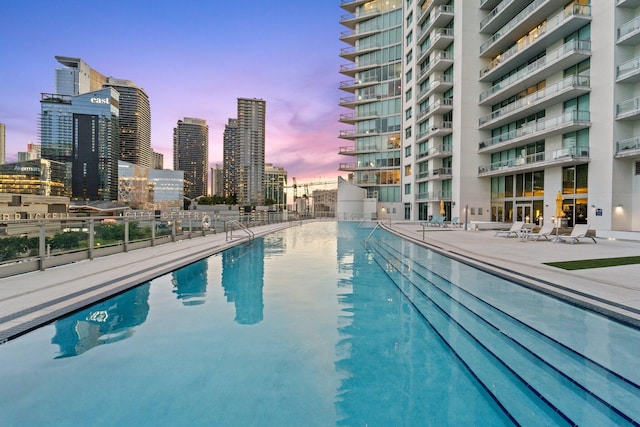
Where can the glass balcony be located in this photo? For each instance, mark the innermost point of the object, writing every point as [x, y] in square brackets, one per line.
[353, 84]
[440, 106]
[565, 56]
[352, 5]
[439, 83]
[489, 4]
[353, 133]
[628, 110]
[628, 148]
[568, 88]
[434, 153]
[352, 101]
[439, 62]
[350, 53]
[629, 33]
[557, 27]
[628, 3]
[569, 121]
[350, 20]
[437, 129]
[537, 161]
[499, 16]
[352, 118]
[350, 36]
[629, 72]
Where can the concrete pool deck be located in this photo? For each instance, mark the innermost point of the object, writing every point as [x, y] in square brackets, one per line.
[30, 300]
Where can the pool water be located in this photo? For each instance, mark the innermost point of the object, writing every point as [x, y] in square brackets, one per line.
[311, 326]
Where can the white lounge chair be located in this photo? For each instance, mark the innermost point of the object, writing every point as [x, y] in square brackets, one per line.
[545, 231]
[579, 232]
[515, 229]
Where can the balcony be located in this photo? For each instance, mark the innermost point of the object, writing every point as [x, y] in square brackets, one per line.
[351, 53]
[629, 33]
[437, 129]
[434, 153]
[427, 7]
[538, 161]
[435, 174]
[568, 88]
[352, 151]
[557, 27]
[628, 3]
[628, 148]
[352, 69]
[571, 53]
[434, 196]
[569, 121]
[499, 16]
[353, 84]
[489, 4]
[439, 107]
[628, 72]
[440, 39]
[354, 133]
[351, 36]
[353, 101]
[352, 19]
[440, 83]
[628, 110]
[351, 118]
[352, 5]
[347, 167]
[439, 62]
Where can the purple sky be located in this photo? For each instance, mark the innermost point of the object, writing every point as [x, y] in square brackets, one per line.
[194, 58]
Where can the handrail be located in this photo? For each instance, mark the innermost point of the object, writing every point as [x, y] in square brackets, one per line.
[229, 230]
[374, 229]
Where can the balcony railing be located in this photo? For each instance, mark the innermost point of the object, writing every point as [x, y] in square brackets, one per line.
[435, 151]
[538, 128]
[435, 128]
[537, 159]
[628, 108]
[434, 196]
[553, 23]
[628, 68]
[628, 147]
[546, 93]
[629, 27]
[534, 67]
[496, 10]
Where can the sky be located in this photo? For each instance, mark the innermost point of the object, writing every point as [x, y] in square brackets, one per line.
[194, 58]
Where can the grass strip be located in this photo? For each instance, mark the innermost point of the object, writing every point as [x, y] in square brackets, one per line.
[595, 263]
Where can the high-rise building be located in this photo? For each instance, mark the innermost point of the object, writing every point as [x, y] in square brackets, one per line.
[33, 152]
[56, 132]
[497, 105]
[275, 183]
[217, 181]
[3, 143]
[229, 158]
[249, 164]
[158, 160]
[191, 155]
[76, 77]
[135, 122]
[38, 176]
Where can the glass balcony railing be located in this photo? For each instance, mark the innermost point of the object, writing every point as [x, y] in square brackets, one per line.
[361, 15]
[511, 24]
[628, 68]
[547, 92]
[538, 127]
[435, 151]
[628, 146]
[435, 128]
[628, 107]
[568, 153]
[629, 27]
[552, 24]
[499, 8]
[566, 49]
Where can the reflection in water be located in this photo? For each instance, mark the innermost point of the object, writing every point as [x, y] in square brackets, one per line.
[243, 280]
[190, 283]
[103, 323]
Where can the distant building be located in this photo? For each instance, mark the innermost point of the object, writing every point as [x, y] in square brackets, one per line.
[33, 152]
[29, 206]
[191, 155]
[76, 77]
[135, 122]
[3, 143]
[38, 177]
[217, 181]
[158, 161]
[56, 132]
[275, 182]
[144, 188]
[229, 154]
[325, 203]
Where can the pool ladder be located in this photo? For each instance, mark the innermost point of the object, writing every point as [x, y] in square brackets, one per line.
[233, 223]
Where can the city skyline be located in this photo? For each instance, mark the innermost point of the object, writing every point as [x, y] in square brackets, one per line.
[190, 67]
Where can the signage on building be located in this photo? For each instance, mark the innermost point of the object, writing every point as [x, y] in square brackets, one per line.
[99, 100]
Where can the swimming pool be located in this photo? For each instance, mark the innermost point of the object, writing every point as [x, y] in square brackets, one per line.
[308, 326]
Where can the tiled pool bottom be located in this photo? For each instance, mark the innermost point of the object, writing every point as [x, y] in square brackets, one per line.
[299, 328]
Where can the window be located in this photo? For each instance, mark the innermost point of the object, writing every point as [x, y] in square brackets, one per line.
[407, 189]
[408, 76]
[407, 132]
[408, 95]
[407, 170]
[408, 113]
[407, 151]
[409, 19]
[409, 57]
[409, 37]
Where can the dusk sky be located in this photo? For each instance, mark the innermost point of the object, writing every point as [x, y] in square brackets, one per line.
[194, 58]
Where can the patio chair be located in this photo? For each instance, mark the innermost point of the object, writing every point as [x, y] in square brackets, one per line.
[545, 231]
[515, 229]
[579, 232]
[431, 222]
[455, 222]
[440, 222]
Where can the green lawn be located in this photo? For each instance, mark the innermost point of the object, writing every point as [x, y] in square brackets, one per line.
[595, 263]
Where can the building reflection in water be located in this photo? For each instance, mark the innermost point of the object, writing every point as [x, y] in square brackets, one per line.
[190, 283]
[243, 280]
[104, 323]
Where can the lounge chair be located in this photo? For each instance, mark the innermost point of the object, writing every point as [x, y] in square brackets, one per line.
[431, 222]
[455, 222]
[440, 222]
[515, 229]
[579, 232]
[545, 231]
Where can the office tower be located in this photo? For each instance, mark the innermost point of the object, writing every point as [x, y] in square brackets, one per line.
[498, 107]
[275, 182]
[3, 143]
[56, 132]
[217, 181]
[250, 149]
[36, 176]
[229, 158]
[76, 77]
[95, 145]
[191, 155]
[158, 160]
[135, 122]
[33, 152]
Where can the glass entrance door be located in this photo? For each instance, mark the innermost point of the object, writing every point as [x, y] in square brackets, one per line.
[523, 212]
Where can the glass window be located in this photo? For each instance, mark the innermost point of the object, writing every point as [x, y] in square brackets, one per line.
[407, 189]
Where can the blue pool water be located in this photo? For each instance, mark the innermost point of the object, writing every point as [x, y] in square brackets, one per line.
[309, 326]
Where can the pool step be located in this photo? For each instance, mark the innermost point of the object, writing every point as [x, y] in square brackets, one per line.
[501, 353]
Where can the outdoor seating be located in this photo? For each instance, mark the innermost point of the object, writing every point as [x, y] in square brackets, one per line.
[431, 222]
[515, 229]
[545, 231]
[455, 222]
[440, 222]
[579, 232]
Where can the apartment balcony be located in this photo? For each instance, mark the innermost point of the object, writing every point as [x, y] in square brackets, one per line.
[440, 39]
[353, 151]
[353, 101]
[628, 3]
[538, 161]
[352, 69]
[440, 83]
[434, 153]
[519, 25]
[351, 36]
[351, 53]
[440, 107]
[363, 166]
[629, 33]
[427, 7]
[354, 133]
[556, 28]
[352, 5]
[567, 55]
[352, 19]
[437, 129]
[628, 149]
[353, 84]
[347, 167]
[500, 16]
[568, 88]
[628, 110]
[435, 174]
[440, 61]
[434, 196]
[440, 17]
[628, 72]
[489, 4]
[351, 118]
[569, 121]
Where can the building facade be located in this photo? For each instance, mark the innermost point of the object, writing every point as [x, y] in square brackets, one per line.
[147, 189]
[191, 155]
[158, 161]
[3, 143]
[37, 177]
[217, 181]
[250, 151]
[498, 108]
[33, 152]
[229, 158]
[275, 183]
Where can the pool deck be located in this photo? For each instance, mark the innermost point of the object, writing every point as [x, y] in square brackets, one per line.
[30, 300]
